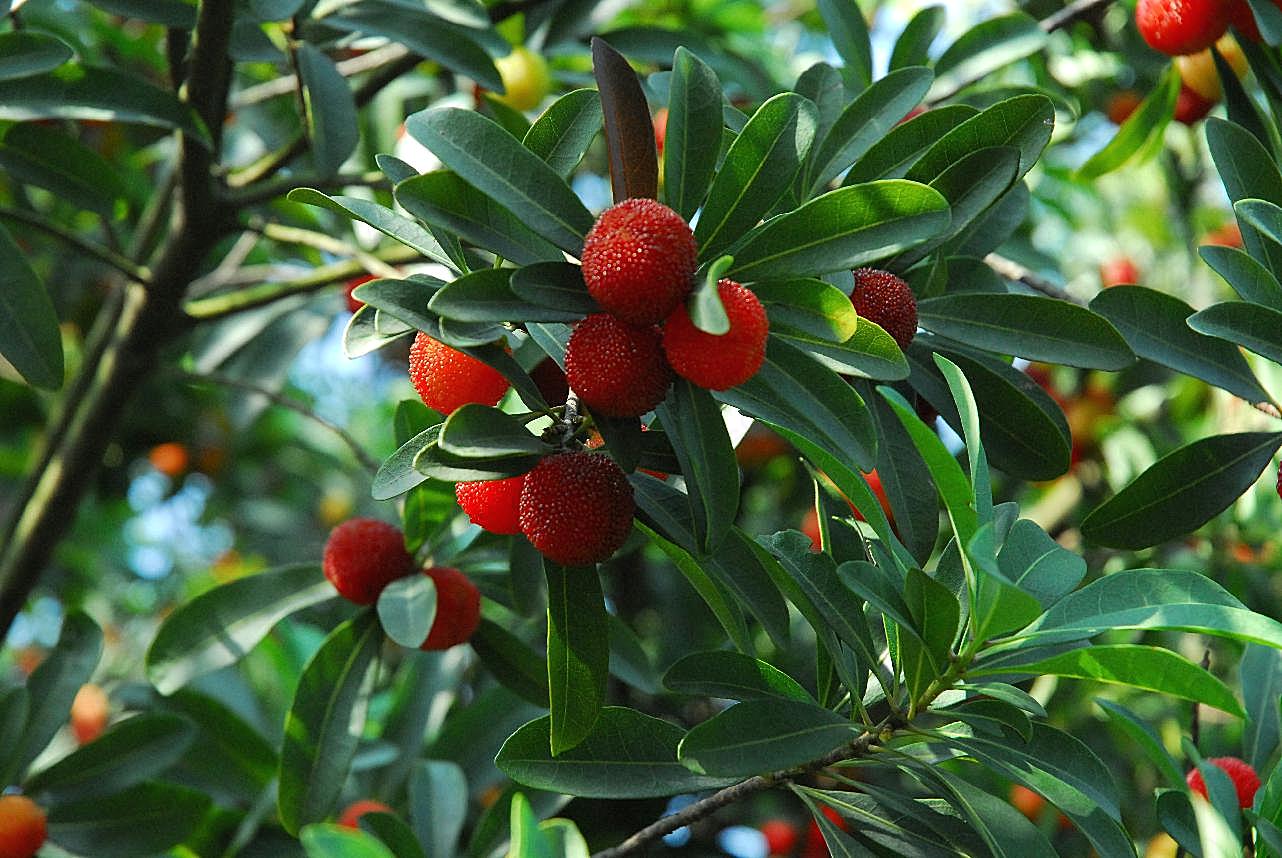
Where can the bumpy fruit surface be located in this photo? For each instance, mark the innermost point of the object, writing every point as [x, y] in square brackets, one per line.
[618, 370]
[354, 304]
[638, 259]
[1245, 780]
[719, 361]
[1177, 27]
[883, 298]
[90, 711]
[525, 78]
[351, 816]
[446, 379]
[364, 555]
[22, 827]
[458, 608]
[781, 836]
[492, 504]
[576, 508]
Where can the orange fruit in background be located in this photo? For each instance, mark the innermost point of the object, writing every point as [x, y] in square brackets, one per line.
[22, 827]
[1027, 802]
[90, 712]
[352, 814]
[1121, 105]
[170, 458]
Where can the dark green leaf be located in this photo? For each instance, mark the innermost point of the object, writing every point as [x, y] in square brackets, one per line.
[52, 159]
[438, 805]
[396, 476]
[1024, 122]
[629, 133]
[481, 431]
[324, 723]
[935, 612]
[54, 683]
[578, 654]
[763, 736]
[1248, 171]
[693, 421]
[1182, 491]
[563, 133]
[1251, 326]
[732, 675]
[172, 13]
[972, 185]
[15, 707]
[809, 306]
[912, 48]
[228, 756]
[1148, 122]
[1139, 732]
[29, 335]
[1038, 564]
[985, 48]
[895, 154]
[1261, 695]
[24, 53]
[558, 285]
[129, 753]
[694, 118]
[330, 110]
[512, 662]
[147, 819]
[382, 219]
[394, 834]
[1251, 280]
[849, 32]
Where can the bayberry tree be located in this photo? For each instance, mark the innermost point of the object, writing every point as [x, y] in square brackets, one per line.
[581, 634]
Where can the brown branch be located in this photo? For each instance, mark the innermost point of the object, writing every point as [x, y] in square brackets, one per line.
[1012, 270]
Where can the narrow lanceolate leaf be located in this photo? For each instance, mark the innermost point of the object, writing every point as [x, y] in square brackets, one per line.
[1261, 695]
[24, 53]
[1157, 328]
[326, 840]
[759, 736]
[629, 134]
[1248, 277]
[383, 219]
[482, 431]
[1146, 123]
[330, 110]
[694, 119]
[52, 159]
[148, 819]
[54, 683]
[845, 21]
[1030, 326]
[1147, 667]
[1024, 122]
[1182, 491]
[895, 154]
[985, 48]
[627, 755]
[563, 133]
[756, 172]
[324, 723]
[693, 420]
[487, 296]
[912, 48]
[1248, 172]
[491, 160]
[29, 336]
[438, 805]
[1249, 325]
[842, 229]
[221, 626]
[578, 653]
[732, 675]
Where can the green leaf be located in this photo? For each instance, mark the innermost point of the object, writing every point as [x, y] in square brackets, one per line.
[488, 158]
[147, 819]
[1248, 171]
[629, 132]
[481, 431]
[693, 421]
[760, 736]
[562, 133]
[528, 840]
[326, 840]
[330, 110]
[935, 612]
[393, 833]
[578, 653]
[757, 170]
[865, 121]
[24, 53]
[1147, 123]
[565, 838]
[1182, 491]
[555, 285]
[54, 683]
[809, 306]
[324, 724]
[704, 304]
[1024, 122]
[842, 229]
[1251, 326]
[985, 48]
[29, 335]
[52, 159]
[1146, 667]
[129, 753]
[904, 477]
[972, 185]
[1261, 695]
[1030, 326]
[1156, 327]
[227, 755]
[407, 609]
[397, 476]
[849, 33]
[15, 707]
[732, 675]
[627, 755]
[1004, 829]
[383, 219]
[893, 155]
[438, 805]
[75, 91]
[171, 13]
[1269, 19]
[221, 626]
[897, 830]
[1139, 732]
[694, 118]
[912, 48]
[1038, 564]
[512, 662]
[1250, 279]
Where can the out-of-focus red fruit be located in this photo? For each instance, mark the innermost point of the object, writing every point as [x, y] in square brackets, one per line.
[660, 128]
[22, 827]
[1119, 270]
[170, 458]
[1027, 802]
[1177, 27]
[90, 711]
[810, 527]
[781, 836]
[1242, 19]
[354, 304]
[1245, 781]
[1122, 104]
[351, 816]
[879, 491]
[1228, 235]
[1191, 108]
[759, 446]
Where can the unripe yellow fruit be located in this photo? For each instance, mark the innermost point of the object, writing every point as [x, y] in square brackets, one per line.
[525, 78]
[1199, 73]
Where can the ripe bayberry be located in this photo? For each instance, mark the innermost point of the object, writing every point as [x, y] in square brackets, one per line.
[781, 836]
[1177, 27]
[576, 508]
[1245, 780]
[354, 304]
[458, 608]
[883, 298]
[1190, 107]
[638, 259]
[618, 370]
[22, 827]
[351, 816]
[364, 555]
[445, 378]
[492, 504]
[719, 362]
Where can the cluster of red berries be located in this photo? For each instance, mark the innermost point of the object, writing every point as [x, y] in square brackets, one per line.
[364, 555]
[638, 263]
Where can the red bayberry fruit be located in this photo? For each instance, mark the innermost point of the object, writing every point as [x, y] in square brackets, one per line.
[354, 304]
[1191, 107]
[810, 527]
[364, 555]
[445, 378]
[492, 504]
[550, 380]
[660, 122]
[576, 508]
[1118, 271]
[883, 298]
[351, 816]
[638, 259]
[90, 712]
[1243, 20]
[618, 370]
[1244, 779]
[458, 608]
[781, 836]
[22, 827]
[1177, 27]
[1122, 104]
[719, 362]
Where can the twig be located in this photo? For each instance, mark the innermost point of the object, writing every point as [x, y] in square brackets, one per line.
[710, 804]
[367, 461]
[284, 85]
[265, 191]
[1012, 270]
[103, 254]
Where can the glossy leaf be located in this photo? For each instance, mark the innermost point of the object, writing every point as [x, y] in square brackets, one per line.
[763, 736]
[692, 419]
[562, 133]
[383, 219]
[809, 306]
[731, 675]
[481, 431]
[1249, 325]
[1038, 564]
[1182, 491]
[326, 840]
[985, 48]
[1248, 171]
[330, 110]
[1261, 695]
[1148, 122]
[912, 48]
[694, 118]
[896, 153]
[24, 53]
[558, 285]
[1024, 122]
[845, 22]
[1250, 279]
[1138, 731]
[578, 653]
[29, 335]
[147, 819]
[629, 134]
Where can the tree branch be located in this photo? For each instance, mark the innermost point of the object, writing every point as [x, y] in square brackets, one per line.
[1012, 270]
[103, 254]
